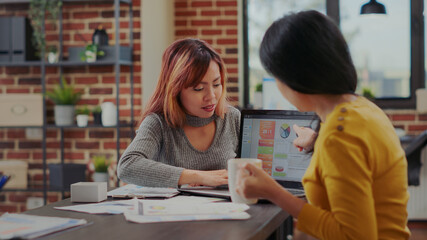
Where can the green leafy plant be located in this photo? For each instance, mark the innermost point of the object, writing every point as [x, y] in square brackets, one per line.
[52, 49]
[97, 110]
[83, 110]
[101, 163]
[38, 12]
[91, 50]
[258, 87]
[64, 94]
[368, 93]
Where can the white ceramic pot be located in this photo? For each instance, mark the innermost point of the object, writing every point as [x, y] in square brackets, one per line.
[64, 115]
[90, 56]
[82, 120]
[100, 177]
[109, 114]
[52, 57]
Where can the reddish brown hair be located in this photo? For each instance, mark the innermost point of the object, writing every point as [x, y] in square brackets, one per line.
[184, 64]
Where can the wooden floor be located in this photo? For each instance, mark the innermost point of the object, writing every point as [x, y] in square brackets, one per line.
[418, 230]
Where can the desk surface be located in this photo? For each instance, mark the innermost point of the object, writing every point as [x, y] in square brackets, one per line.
[265, 219]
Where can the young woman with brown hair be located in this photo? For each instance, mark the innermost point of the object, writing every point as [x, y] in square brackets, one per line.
[188, 131]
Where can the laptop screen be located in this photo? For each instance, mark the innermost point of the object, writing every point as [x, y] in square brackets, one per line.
[268, 135]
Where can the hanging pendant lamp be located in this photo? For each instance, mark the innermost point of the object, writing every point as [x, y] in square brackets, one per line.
[373, 7]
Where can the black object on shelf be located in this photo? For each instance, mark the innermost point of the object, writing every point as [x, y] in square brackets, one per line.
[413, 155]
[61, 176]
[15, 40]
[97, 119]
[100, 37]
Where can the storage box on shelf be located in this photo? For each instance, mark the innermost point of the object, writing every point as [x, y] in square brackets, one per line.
[17, 170]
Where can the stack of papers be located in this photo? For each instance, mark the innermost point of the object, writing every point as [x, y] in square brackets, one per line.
[109, 207]
[174, 210]
[30, 226]
[131, 190]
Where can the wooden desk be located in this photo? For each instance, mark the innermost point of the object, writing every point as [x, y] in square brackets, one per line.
[266, 220]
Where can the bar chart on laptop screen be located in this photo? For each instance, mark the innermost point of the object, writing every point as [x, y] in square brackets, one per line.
[271, 140]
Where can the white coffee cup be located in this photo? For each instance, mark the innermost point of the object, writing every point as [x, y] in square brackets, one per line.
[233, 167]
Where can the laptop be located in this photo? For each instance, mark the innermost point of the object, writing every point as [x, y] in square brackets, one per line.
[268, 135]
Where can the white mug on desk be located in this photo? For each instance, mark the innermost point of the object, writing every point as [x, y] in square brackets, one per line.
[233, 167]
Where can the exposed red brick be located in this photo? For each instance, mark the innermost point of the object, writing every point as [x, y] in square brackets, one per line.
[51, 134]
[74, 156]
[17, 70]
[231, 31]
[180, 22]
[49, 155]
[185, 32]
[226, 3]
[92, 102]
[73, 26]
[101, 134]
[180, 4]
[86, 80]
[75, 134]
[226, 22]
[211, 13]
[80, 37]
[101, 69]
[12, 133]
[101, 91]
[230, 60]
[29, 81]
[7, 81]
[18, 155]
[201, 22]
[112, 145]
[18, 197]
[106, 25]
[232, 79]
[197, 4]
[38, 177]
[8, 208]
[87, 145]
[226, 41]
[113, 79]
[15, 90]
[85, 15]
[52, 37]
[236, 99]
[231, 12]
[403, 117]
[422, 117]
[212, 32]
[417, 127]
[29, 144]
[110, 14]
[185, 13]
[136, 24]
[231, 51]
[4, 145]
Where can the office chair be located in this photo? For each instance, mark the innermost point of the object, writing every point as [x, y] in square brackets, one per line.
[413, 155]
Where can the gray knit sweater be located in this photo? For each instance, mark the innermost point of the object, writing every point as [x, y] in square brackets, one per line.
[158, 154]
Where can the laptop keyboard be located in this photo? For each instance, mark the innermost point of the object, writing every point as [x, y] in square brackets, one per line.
[295, 191]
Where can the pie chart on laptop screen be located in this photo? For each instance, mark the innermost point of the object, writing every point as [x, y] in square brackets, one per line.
[285, 130]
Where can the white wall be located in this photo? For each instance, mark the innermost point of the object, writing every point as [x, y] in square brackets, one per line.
[157, 34]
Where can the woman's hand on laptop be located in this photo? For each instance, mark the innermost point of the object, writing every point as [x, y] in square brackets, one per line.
[254, 182]
[203, 178]
[305, 138]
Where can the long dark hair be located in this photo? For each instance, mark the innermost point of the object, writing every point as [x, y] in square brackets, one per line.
[308, 53]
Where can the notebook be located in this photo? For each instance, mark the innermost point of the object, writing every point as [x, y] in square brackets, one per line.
[268, 135]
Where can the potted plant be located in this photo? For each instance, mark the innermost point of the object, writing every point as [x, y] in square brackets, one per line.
[90, 53]
[40, 10]
[258, 96]
[368, 93]
[82, 116]
[101, 164]
[96, 113]
[65, 97]
[52, 55]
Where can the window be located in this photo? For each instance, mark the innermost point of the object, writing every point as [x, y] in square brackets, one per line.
[388, 52]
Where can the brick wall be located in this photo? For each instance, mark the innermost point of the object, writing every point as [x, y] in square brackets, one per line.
[214, 21]
[97, 82]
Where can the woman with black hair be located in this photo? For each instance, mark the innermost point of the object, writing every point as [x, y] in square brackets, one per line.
[356, 184]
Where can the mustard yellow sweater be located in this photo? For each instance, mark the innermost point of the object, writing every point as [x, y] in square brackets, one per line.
[356, 184]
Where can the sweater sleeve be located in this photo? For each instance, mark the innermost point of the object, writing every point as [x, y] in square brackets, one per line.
[136, 165]
[345, 171]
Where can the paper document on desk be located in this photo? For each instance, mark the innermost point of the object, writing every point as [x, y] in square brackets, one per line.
[173, 211]
[108, 207]
[131, 190]
[29, 226]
